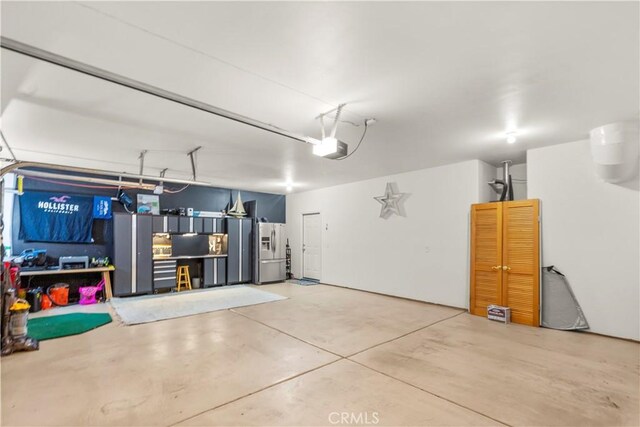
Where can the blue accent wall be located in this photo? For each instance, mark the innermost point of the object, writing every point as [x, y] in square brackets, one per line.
[270, 206]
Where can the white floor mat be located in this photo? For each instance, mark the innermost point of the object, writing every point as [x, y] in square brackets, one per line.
[145, 309]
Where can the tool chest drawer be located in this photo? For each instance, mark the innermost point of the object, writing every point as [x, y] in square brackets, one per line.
[164, 274]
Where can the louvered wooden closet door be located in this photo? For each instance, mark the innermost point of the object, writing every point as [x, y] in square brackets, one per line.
[486, 253]
[521, 260]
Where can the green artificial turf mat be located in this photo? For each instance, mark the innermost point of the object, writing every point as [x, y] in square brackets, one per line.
[49, 327]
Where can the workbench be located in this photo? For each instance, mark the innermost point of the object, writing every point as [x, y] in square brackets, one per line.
[104, 270]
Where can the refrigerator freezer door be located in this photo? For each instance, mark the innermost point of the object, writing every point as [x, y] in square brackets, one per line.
[282, 241]
[272, 271]
[276, 241]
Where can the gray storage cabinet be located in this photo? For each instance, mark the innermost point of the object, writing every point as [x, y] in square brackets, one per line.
[212, 225]
[165, 223]
[172, 224]
[132, 254]
[159, 224]
[198, 225]
[214, 271]
[185, 224]
[144, 254]
[239, 250]
[122, 242]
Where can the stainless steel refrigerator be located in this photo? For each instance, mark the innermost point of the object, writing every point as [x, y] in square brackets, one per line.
[270, 252]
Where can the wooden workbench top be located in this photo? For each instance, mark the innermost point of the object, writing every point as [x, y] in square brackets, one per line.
[67, 271]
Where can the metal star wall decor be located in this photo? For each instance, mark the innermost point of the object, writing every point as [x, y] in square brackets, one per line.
[390, 202]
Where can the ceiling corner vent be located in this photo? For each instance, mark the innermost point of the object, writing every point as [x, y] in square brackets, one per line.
[614, 149]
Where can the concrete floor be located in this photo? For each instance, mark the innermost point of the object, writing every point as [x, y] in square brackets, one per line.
[325, 356]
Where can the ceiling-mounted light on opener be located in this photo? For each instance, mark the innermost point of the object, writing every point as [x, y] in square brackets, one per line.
[511, 137]
[329, 146]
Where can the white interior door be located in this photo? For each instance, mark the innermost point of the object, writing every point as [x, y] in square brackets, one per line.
[311, 246]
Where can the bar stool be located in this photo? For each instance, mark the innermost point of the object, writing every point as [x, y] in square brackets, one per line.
[183, 278]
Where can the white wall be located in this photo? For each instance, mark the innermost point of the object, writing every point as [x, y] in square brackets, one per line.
[422, 255]
[590, 232]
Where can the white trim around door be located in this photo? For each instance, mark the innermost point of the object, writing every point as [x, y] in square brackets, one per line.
[312, 246]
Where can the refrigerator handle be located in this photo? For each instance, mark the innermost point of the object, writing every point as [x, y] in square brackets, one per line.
[273, 241]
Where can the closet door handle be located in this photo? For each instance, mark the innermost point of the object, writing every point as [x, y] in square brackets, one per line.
[496, 267]
[505, 268]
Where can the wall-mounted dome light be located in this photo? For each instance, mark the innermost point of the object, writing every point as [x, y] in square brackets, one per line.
[615, 150]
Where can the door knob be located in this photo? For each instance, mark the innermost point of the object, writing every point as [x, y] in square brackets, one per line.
[496, 267]
[505, 268]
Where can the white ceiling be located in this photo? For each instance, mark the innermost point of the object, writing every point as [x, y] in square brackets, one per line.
[444, 81]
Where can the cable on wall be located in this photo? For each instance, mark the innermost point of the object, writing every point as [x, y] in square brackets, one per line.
[169, 191]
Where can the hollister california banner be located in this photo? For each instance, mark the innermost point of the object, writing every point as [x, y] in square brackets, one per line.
[50, 217]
